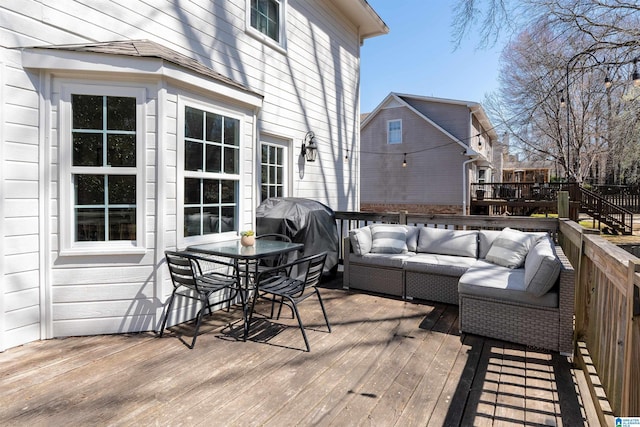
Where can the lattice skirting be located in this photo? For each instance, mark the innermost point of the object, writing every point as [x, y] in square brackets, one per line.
[375, 279]
[432, 287]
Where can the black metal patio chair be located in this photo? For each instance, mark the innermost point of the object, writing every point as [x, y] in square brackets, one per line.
[191, 281]
[293, 283]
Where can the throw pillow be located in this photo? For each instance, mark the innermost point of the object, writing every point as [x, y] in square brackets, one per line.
[361, 240]
[510, 248]
[541, 268]
[388, 239]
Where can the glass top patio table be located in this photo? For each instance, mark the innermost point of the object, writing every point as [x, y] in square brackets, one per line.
[233, 249]
[247, 255]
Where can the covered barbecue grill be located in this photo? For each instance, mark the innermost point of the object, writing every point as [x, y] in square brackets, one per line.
[304, 221]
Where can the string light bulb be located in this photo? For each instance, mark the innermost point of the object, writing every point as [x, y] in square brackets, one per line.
[404, 161]
[346, 156]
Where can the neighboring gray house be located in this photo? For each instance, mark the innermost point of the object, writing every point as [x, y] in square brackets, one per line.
[127, 128]
[420, 154]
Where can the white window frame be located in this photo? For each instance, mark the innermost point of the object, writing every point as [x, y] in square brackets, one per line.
[284, 146]
[391, 133]
[254, 32]
[183, 240]
[66, 218]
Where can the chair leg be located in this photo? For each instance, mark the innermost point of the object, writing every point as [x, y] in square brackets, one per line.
[304, 334]
[326, 319]
[166, 314]
[199, 320]
[253, 304]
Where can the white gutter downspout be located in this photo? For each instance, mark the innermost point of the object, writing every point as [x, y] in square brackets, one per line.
[474, 156]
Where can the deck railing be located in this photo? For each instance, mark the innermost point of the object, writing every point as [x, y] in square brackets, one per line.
[512, 191]
[607, 320]
[626, 196]
[607, 302]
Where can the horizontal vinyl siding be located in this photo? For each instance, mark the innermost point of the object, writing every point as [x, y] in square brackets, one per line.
[433, 174]
[312, 85]
[20, 223]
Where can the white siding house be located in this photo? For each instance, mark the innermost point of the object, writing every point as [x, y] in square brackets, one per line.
[420, 154]
[128, 128]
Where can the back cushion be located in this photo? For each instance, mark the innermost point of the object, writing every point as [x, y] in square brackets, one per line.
[485, 239]
[388, 239]
[510, 248]
[541, 268]
[412, 237]
[448, 242]
[361, 240]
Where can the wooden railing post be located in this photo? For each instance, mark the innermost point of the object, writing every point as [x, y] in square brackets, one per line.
[582, 287]
[402, 219]
[628, 377]
[563, 204]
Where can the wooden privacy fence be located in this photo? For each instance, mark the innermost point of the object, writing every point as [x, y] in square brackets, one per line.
[607, 324]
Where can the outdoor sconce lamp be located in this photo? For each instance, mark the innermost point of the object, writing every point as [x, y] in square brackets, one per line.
[309, 147]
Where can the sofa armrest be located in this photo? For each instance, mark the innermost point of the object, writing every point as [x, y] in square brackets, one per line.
[566, 302]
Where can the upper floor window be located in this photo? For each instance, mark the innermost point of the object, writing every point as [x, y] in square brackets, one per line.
[394, 132]
[211, 172]
[267, 18]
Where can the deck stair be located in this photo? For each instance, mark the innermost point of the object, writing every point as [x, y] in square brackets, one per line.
[619, 219]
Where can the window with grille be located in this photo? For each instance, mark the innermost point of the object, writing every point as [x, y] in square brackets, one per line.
[104, 167]
[211, 172]
[272, 171]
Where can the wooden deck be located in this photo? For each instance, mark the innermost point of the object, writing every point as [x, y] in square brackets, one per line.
[387, 362]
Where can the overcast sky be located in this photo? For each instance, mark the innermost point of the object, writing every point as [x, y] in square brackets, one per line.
[417, 56]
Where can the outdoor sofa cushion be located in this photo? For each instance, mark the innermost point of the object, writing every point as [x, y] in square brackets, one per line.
[510, 248]
[448, 242]
[361, 240]
[541, 267]
[388, 239]
[485, 279]
[383, 260]
[444, 265]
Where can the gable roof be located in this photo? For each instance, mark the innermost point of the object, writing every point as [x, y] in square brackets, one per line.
[402, 100]
[397, 99]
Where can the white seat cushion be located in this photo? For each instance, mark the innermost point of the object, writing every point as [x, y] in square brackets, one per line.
[445, 265]
[484, 279]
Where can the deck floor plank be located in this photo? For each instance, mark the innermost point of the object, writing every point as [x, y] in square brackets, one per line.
[387, 362]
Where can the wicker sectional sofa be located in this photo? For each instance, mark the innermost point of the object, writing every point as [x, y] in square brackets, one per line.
[508, 284]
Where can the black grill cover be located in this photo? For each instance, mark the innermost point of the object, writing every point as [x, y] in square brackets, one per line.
[304, 221]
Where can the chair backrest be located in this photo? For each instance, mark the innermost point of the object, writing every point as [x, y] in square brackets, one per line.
[314, 268]
[182, 268]
[277, 259]
[275, 236]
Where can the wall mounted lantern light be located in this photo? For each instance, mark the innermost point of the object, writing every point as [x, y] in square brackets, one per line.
[309, 147]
